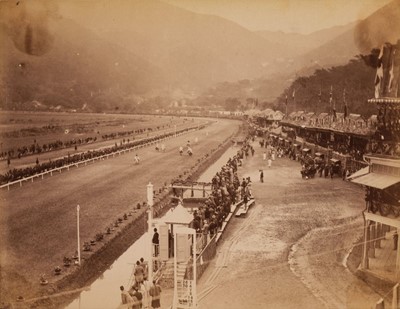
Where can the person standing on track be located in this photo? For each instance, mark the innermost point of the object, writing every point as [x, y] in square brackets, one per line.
[180, 150]
[137, 159]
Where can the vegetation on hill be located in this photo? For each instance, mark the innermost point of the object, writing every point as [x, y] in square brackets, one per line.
[356, 79]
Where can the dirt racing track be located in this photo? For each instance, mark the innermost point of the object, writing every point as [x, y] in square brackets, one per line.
[38, 220]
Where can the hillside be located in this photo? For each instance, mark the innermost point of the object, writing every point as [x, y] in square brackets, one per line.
[77, 70]
[193, 49]
[371, 32]
[298, 44]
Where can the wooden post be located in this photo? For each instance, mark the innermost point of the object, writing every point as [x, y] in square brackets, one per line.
[395, 299]
[398, 257]
[371, 250]
[150, 203]
[365, 258]
[380, 304]
[78, 234]
[378, 235]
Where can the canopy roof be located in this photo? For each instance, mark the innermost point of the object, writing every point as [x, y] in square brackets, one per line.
[361, 172]
[178, 215]
[375, 180]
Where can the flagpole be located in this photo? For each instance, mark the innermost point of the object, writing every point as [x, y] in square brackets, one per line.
[294, 98]
[77, 227]
[319, 99]
[286, 106]
[150, 202]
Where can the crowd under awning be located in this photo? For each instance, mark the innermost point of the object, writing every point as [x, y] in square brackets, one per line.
[375, 180]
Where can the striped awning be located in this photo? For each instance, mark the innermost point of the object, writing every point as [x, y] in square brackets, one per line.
[375, 180]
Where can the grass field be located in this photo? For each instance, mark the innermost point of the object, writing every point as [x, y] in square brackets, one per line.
[106, 123]
[38, 221]
[23, 128]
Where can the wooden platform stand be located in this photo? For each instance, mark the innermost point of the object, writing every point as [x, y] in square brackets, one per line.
[242, 210]
[204, 187]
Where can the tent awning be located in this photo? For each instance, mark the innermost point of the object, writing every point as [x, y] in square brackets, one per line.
[361, 172]
[379, 181]
[178, 215]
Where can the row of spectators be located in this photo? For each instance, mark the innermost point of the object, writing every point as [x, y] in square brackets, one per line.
[19, 173]
[227, 189]
[35, 148]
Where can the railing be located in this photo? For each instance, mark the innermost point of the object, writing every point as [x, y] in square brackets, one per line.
[102, 157]
[380, 304]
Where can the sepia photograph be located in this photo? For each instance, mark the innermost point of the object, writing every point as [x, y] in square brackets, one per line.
[199, 154]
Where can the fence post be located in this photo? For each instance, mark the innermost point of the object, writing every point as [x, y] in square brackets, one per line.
[372, 242]
[378, 235]
[395, 299]
[365, 258]
[380, 304]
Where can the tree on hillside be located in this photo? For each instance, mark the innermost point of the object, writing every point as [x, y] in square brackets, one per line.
[313, 93]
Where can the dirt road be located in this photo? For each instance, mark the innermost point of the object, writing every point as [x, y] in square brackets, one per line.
[289, 250]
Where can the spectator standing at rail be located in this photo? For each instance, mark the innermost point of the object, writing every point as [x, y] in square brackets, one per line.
[143, 263]
[156, 241]
[126, 298]
[139, 273]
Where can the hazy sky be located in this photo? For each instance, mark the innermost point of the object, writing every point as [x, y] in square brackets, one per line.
[302, 16]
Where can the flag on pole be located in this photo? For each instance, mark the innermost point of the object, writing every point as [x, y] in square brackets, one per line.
[286, 106]
[319, 97]
[332, 104]
[391, 76]
[379, 75]
[330, 100]
[334, 112]
[345, 104]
